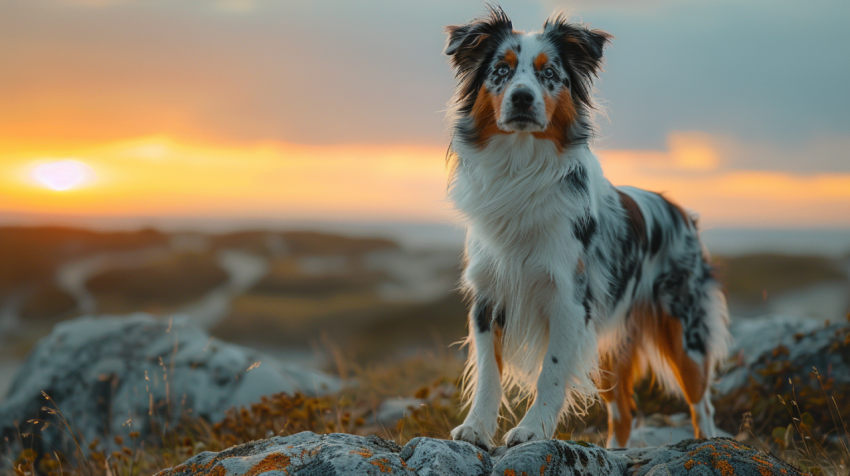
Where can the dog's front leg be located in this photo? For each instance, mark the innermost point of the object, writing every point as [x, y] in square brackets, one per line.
[480, 424]
[564, 364]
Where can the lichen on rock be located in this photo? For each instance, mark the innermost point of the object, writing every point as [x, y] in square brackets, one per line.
[337, 454]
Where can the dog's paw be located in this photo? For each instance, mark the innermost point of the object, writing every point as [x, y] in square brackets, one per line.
[521, 434]
[474, 434]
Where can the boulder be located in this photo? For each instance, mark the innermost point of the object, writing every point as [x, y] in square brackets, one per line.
[309, 454]
[783, 364]
[556, 457]
[806, 342]
[717, 456]
[109, 376]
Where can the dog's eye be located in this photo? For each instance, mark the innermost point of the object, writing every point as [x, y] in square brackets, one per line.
[548, 73]
[502, 70]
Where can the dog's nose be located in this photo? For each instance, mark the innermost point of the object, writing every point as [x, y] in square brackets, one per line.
[522, 98]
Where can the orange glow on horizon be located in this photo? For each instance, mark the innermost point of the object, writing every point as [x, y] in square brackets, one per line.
[162, 176]
[158, 176]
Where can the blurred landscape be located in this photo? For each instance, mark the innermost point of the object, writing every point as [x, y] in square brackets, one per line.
[304, 295]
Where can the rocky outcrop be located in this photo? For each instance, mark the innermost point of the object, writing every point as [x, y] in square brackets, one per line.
[718, 456]
[784, 367]
[115, 375]
[805, 343]
[308, 454]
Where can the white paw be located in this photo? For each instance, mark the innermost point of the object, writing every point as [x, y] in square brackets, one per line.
[523, 433]
[473, 432]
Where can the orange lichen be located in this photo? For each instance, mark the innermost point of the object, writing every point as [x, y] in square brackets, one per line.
[725, 468]
[382, 465]
[272, 462]
[364, 453]
[218, 471]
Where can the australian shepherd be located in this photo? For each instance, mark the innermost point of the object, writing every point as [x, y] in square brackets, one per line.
[578, 287]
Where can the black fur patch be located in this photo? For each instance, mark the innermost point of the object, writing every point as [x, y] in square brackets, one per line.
[657, 238]
[554, 360]
[576, 180]
[482, 314]
[584, 229]
[587, 302]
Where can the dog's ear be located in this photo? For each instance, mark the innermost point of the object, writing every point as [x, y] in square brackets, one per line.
[468, 44]
[580, 49]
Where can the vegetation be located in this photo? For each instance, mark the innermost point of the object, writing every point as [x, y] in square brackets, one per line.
[798, 426]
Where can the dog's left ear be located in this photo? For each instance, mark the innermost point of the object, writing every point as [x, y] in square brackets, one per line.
[580, 50]
[579, 46]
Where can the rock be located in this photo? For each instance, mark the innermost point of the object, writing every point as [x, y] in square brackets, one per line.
[804, 341]
[308, 454]
[718, 456]
[114, 375]
[556, 457]
[787, 367]
[339, 454]
[393, 409]
[430, 457]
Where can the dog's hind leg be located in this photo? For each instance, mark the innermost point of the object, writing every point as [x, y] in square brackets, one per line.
[484, 375]
[692, 337]
[619, 370]
[692, 371]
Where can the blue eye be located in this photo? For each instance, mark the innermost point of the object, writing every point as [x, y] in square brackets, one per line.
[503, 70]
[548, 73]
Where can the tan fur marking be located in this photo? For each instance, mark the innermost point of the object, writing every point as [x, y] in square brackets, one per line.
[617, 377]
[485, 111]
[561, 113]
[692, 377]
[497, 346]
[510, 58]
[540, 61]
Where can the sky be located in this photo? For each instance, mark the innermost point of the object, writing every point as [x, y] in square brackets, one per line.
[334, 109]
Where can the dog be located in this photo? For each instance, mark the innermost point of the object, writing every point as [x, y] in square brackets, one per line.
[578, 287]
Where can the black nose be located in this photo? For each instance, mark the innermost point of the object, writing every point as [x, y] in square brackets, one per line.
[522, 98]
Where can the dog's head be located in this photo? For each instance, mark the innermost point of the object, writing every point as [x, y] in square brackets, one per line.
[516, 82]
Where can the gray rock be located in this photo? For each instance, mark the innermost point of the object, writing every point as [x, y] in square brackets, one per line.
[718, 456]
[308, 454]
[113, 375]
[304, 454]
[556, 457]
[430, 457]
[393, 409]
[806, 342]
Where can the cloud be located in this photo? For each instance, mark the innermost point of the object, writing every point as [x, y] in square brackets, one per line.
[694, 171]
[372, 72]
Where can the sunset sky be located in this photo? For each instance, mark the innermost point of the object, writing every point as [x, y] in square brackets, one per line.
[334, 109]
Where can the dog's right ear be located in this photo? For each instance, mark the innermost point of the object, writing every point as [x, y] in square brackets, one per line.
[466, 44]
[457, 35]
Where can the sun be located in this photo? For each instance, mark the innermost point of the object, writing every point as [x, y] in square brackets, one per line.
[62, 175]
